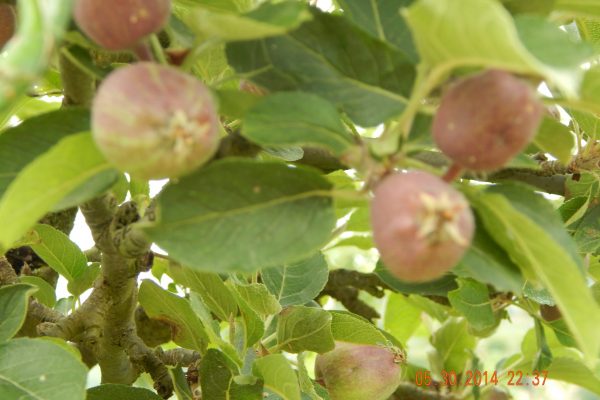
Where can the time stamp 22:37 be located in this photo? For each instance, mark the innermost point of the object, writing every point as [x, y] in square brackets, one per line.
[482, 378]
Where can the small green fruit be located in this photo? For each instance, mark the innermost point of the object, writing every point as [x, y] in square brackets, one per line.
[487, 119]
[359, 372]
[154, 121]
[121, 24]
[422, 226]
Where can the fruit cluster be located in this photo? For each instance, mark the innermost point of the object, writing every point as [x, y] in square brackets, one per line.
[154, 121]
[422, 226]
[149, 120]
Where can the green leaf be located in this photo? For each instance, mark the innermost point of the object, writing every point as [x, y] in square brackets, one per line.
[67, 165]
[382, 20]
[487, 262]
[589, 90]
[296, 118]
[587, 231]
[472, 299]
[257, 196]
[100, 183]
[452, 342]
[209, 286]
[438, 287]
[57, 250]
[298, 283]
[434, 309]
[331, 57]
[13, 309]
[180, 384]
[258, 297]
[267, 20]
[555, 138]
[217, 379]
[351, 328]
[574, 371]
[120, 392]
[26, 57]
[488, 37]
[213, 329]
[24, 143]
[235, 103]
[253, 326]
[401, 318]
[589, 8]
[247, 391]
[216, 375]
[531, 232]
[84, 281]
[24, 372]
[566, 54]
[45, 293]
[574, 209]
[278, 375]
[543, 357]
[306, 384]
[588, 185]
[363, 242]
[160, 304]
[540, 7]
[588, 123]
[302, 328]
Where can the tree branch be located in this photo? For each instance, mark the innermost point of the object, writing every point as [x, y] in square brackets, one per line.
[178, 356]
[546, 180]
[345, 286]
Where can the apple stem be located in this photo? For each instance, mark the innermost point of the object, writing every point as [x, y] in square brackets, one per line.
[453, 173]
[143, 51]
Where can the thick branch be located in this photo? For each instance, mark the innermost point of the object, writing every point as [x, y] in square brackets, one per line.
[178, 356]
[99, 213]
[345, 286]
[145, 359]
[104, 323]
[78, 86]
[7, 273]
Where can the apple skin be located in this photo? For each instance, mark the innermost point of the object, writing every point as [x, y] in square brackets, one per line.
[485, 120]
[121, 24]
[358, 372]
[399, 213]
[8, 22]
[154, 121]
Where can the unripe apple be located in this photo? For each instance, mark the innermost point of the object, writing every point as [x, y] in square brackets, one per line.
[154, 121]
[8, 21]
[422, 226]
[121, 24]
[486, 119]
[550, 313]
[359, 372]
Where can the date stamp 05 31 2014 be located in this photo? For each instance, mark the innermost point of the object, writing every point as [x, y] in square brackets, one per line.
[482, 378]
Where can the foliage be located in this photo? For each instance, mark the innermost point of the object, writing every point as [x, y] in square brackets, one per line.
[266, 257]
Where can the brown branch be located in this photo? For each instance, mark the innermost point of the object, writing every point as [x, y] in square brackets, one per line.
[7, 273]
[345, 286]
[145, 359]
[178, 356]
[547, 180]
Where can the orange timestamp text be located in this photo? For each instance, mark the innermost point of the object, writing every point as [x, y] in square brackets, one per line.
[482, 378]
